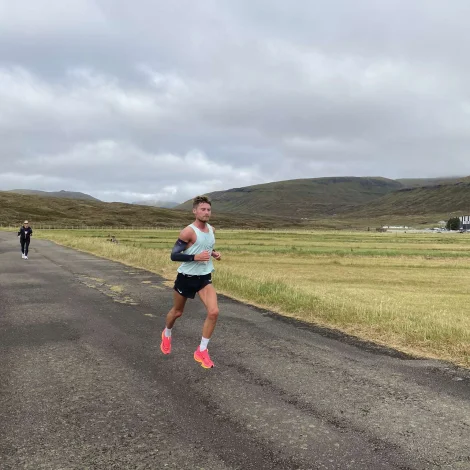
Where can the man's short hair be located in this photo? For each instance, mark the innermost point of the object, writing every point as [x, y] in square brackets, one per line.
[201, 200]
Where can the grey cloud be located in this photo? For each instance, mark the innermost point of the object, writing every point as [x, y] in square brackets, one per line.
[161, 99]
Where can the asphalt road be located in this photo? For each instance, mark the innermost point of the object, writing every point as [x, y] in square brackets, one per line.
[83, 384]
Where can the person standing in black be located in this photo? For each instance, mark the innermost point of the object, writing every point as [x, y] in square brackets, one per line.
[25, 233]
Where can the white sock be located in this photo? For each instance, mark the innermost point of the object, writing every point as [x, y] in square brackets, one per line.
[204, 343]
[167, 332]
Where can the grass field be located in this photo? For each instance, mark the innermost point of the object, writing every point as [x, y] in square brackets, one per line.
[408, 291]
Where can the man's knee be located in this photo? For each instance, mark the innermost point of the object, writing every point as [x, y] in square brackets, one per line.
[213, 313]
[177, 313]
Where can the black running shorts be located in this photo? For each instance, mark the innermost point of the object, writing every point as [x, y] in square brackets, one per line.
[188, 286]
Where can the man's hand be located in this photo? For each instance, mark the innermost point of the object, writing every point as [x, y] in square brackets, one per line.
[217, 255]
[204, 256]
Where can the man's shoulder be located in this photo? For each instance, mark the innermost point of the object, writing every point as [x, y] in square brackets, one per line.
[188, 231]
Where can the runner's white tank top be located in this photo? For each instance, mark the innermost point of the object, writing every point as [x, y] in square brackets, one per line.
[204, 241]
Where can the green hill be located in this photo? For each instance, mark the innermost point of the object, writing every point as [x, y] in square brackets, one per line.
[419, 182]
[61, 194]
[60, 212]
[325, 202]
[441, 199]
[302, 198]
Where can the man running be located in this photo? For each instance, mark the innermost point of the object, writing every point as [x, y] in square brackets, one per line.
[25, 233]
[195, 248]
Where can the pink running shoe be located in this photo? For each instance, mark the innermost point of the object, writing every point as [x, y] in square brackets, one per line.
[203, 358]
[165, 345]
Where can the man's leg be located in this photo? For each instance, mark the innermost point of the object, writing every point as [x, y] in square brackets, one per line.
[209, 299]
[208, 296]
[22, 242]
[26, 248]
[177, 310]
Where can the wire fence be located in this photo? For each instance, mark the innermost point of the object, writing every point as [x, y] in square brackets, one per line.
[111, 228]
[92, 227]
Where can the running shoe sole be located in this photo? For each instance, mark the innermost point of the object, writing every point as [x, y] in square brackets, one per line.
[198, 359]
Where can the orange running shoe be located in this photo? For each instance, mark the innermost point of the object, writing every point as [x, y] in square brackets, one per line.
[203, 358]
[165, 345]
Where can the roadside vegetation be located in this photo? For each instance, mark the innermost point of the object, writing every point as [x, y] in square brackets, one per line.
[406, 291]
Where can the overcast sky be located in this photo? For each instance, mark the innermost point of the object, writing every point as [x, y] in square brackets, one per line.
[149, 99]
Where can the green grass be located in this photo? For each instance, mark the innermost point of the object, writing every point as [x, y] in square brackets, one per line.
[407, 291]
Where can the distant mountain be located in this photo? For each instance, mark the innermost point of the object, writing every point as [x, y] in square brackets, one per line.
[60, 212]
[420, 182]
[302, 198]
[162, 204]
[61, 194]
[444, 199]
[342, 202]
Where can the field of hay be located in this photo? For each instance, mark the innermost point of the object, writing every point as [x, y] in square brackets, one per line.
[407, 291]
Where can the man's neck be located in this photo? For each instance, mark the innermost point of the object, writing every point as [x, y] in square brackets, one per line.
[200, 225]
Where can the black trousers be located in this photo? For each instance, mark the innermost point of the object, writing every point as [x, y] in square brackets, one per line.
[24, 246]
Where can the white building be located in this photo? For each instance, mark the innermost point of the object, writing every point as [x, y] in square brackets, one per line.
[465, 222]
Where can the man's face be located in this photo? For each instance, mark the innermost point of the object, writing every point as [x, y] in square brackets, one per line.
[202, 212]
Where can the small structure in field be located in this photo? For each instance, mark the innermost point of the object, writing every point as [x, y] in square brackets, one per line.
[464, 222]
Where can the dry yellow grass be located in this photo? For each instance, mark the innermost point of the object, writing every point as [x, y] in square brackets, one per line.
[362, 284]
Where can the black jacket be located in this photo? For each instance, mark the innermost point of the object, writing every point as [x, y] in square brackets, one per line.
[25, 233]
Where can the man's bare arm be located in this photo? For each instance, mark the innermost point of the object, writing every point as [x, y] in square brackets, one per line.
[186, 238]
